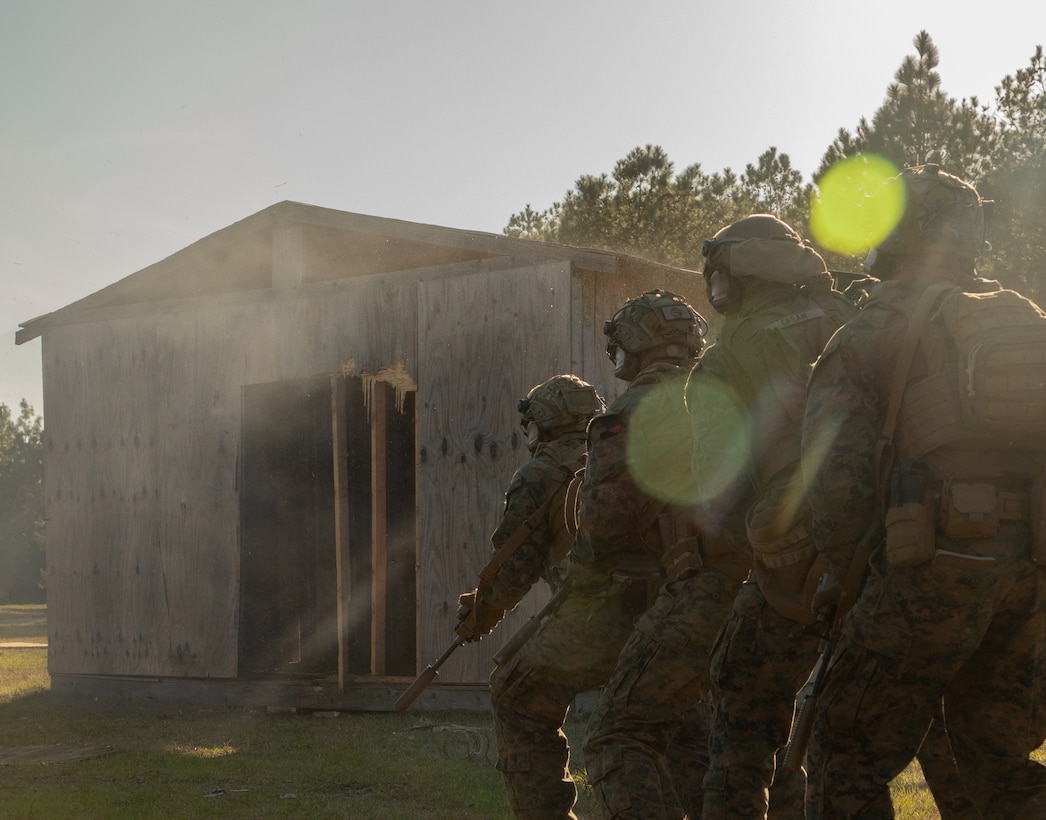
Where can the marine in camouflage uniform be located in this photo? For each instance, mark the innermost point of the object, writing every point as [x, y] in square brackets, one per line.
[650, 709]
[532, 538]
[746, 399]
[960, 616]
[609, 568]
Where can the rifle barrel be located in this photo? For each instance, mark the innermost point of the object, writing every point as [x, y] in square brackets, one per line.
[422, 681]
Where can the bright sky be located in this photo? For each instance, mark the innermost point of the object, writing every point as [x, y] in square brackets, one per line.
[131, 128]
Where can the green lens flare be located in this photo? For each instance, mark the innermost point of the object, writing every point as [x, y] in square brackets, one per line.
[856, 208]
[658, 445]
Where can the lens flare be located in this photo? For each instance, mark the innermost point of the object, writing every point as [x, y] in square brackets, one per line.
[658, 445]
[856, 208]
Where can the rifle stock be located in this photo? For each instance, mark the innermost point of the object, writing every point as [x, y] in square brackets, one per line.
[422, 681]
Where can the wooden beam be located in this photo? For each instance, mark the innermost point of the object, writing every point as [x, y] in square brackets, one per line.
[339, 430]
[378, 399]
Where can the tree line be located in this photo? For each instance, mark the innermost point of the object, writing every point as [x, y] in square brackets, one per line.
[21, 506]
[645, 208]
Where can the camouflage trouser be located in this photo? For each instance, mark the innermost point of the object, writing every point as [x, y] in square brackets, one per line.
[970, 629]
[573, 652]
[655, 690]
[759, 662]
[941, 775]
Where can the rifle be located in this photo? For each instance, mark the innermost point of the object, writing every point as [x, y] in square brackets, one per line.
[526, 632]
[828, 616]
[805, 701]
[504, 654]
[426, 677]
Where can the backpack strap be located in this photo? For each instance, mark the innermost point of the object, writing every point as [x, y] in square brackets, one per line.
[514, 541]
[883, 460]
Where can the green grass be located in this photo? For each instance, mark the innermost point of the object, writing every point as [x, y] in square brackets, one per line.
[119, 761]
[162, 761]
[23, 622]
[153, 760]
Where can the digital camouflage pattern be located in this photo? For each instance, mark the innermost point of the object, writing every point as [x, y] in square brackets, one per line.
[539, 485]
[967, 625]
[573, 652]
[577, 646]
[747, 399]
[541, 553]
[636, 465]
[653, 701]
[760, 662]
[660, 675]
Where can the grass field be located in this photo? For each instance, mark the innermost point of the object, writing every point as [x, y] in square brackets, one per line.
[63, 757]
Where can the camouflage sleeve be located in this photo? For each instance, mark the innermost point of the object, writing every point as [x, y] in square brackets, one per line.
[524, 567]
[842, 423]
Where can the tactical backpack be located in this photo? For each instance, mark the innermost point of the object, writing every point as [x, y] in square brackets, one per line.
[989, 379]
[1000, 340]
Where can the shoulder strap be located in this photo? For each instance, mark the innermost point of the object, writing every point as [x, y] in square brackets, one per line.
[883, 459]
[884, 446]
[513, 542]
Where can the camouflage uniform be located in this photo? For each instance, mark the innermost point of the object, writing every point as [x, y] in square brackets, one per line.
[748, 404]
[543, 550]
[968, 624]
[533, 538]
[653, 698]
[575, 649]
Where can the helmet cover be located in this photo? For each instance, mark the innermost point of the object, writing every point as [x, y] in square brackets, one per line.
[761, 246]
[657, 318]
[940, 211]
[560, 401]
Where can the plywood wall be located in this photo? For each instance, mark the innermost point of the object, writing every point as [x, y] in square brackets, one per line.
[515, 327]
[141, 464]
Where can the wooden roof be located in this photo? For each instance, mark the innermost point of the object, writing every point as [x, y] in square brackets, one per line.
[335, 245]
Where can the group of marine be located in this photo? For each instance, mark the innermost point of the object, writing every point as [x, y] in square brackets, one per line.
[794, 559]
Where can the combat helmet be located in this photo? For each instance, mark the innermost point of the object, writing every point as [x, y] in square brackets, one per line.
[562, 402]
[942, 213]
[762, 247]
[657, 323]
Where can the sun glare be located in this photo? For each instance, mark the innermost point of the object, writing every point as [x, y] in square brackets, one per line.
[856, 207]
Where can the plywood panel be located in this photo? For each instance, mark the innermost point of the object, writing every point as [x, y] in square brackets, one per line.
[143, 433]
[101, 500]
[514, 327]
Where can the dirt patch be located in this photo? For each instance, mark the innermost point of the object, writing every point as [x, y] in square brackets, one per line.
[50, 754]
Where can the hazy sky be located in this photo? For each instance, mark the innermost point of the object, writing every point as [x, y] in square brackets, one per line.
[130, 128]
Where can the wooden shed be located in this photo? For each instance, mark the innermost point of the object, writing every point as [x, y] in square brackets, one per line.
[275, 458]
